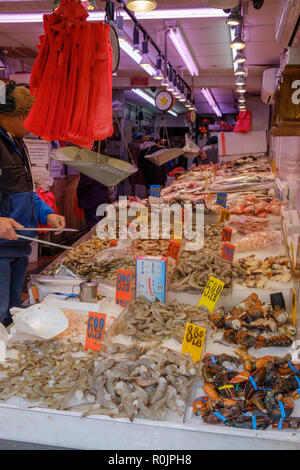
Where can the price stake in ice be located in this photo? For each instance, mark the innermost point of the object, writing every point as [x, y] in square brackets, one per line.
[155, 190]
[225, 215]
[123, 287]
[193, 341]
[211, 293]
[173, 249]
[95, 331]
[222, 199]
[226, 234]
[228, 252]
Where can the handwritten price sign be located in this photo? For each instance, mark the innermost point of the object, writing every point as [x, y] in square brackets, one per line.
[211, 293]
[95, 331]
[226, 234]
[225, 215]
[113, 243]
[193, 341]
[177, 230]
[155, 190]
[173, 250]
[123, 287]
[222, 199]
[228, 252]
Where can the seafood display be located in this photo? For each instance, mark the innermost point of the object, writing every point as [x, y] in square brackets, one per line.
[254, 324]
[118, 380]
[254, 393]
[254, 206]
[258, 241]
[274, 268]
[155, 321]
[150, 247]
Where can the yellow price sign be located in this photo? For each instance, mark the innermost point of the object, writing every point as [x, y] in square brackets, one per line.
[211, 293]
[177, 230]
[294, 305]
[224, 215]
[143, 214]
[193, 341]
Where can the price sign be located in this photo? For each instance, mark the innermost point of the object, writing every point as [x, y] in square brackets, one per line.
[294, 305]
[113, 243]
[211, 293]
[225, 215]
[226, 234]
[206, 182]
[123, 287]
[193, 341]
[173, 249]
[228, 252]
[95, 331]
[177, 230]
[155, 190]
[222, 199]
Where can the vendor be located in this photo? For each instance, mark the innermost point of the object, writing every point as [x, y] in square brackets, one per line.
[18, 200]
[8, 228]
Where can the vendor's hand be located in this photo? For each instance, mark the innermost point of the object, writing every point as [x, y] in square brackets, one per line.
[8, 228]
[57, 221]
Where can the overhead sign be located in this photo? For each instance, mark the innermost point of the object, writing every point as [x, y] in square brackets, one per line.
[139, 81]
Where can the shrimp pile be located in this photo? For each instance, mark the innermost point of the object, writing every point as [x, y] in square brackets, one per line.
[118, 380]
[155, 321]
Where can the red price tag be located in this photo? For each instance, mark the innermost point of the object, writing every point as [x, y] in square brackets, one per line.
[95, 331]
[228, 252]
[113, 243]
[226, 234]
[123, 287]
[173, 249]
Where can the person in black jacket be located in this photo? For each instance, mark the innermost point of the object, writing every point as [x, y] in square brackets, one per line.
[18, 200]
[153, 174]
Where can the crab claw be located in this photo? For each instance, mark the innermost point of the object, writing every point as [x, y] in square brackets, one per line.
[240, 377]
[210, 390]
[254, 380]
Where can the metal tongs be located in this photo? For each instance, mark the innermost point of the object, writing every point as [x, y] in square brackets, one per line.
[44, 242]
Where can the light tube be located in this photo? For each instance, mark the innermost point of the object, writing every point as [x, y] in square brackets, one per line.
[150, 99]
[180, 44]
[177, 13]
[210, 99]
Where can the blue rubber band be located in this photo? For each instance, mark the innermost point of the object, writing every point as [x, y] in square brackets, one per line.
[292, 367]
[213, 359]
[253, 382]
[200, 399]
[220, 416]
[265, 388]
[254, 422]
[280, 423]
[281, 409]
[229, 370]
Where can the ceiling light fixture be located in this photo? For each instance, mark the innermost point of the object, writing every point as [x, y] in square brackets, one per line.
[146, 61]
[211, 101]
[242, 99]
[234, 18]
[237, 43]
[136, 56]
[240, 81]
[165, 82]
[141, 5]
[136, 38]
[241, 89]
[178, 13]
[150, 99]
[158, 74]
[179, 42]
[121, 34]
[240, 70]
[239, 58]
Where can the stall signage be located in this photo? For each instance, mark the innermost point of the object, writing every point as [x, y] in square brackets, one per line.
[151, 277]
[224, 215]
[123, 287]
[193, 341]
[222, 199]
[211, 293]
[95, 331]
[228, 252]
[173, 250]
[139, 81]
[226, 234]
[155, 190]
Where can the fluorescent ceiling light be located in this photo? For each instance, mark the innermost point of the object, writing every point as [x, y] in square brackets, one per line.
[211, 101]
[180, 44]
[178, 13]
[149, 99]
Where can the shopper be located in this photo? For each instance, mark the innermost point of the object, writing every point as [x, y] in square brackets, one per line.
[18, 200]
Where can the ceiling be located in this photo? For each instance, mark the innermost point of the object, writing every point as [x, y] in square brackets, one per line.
[207, 38]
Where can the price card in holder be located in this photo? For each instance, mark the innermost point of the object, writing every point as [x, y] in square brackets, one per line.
[155, 190]
[211, 293]
[226, 234]
[224, 215]
[95, 331]
[222, 199]
[193, 341]
[228, 252]
[173, 249]
[123, 287]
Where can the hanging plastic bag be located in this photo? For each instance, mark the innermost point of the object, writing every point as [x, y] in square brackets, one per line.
[243, 123]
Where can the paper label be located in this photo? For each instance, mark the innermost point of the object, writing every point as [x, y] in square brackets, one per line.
[173, 249]
[211, 293]
[193, 341]
[224, 215]
[221, 199]
[150, 277]
[123, 287]
[177, 230]
[226, 234]
[95, 330]
[228, 252]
